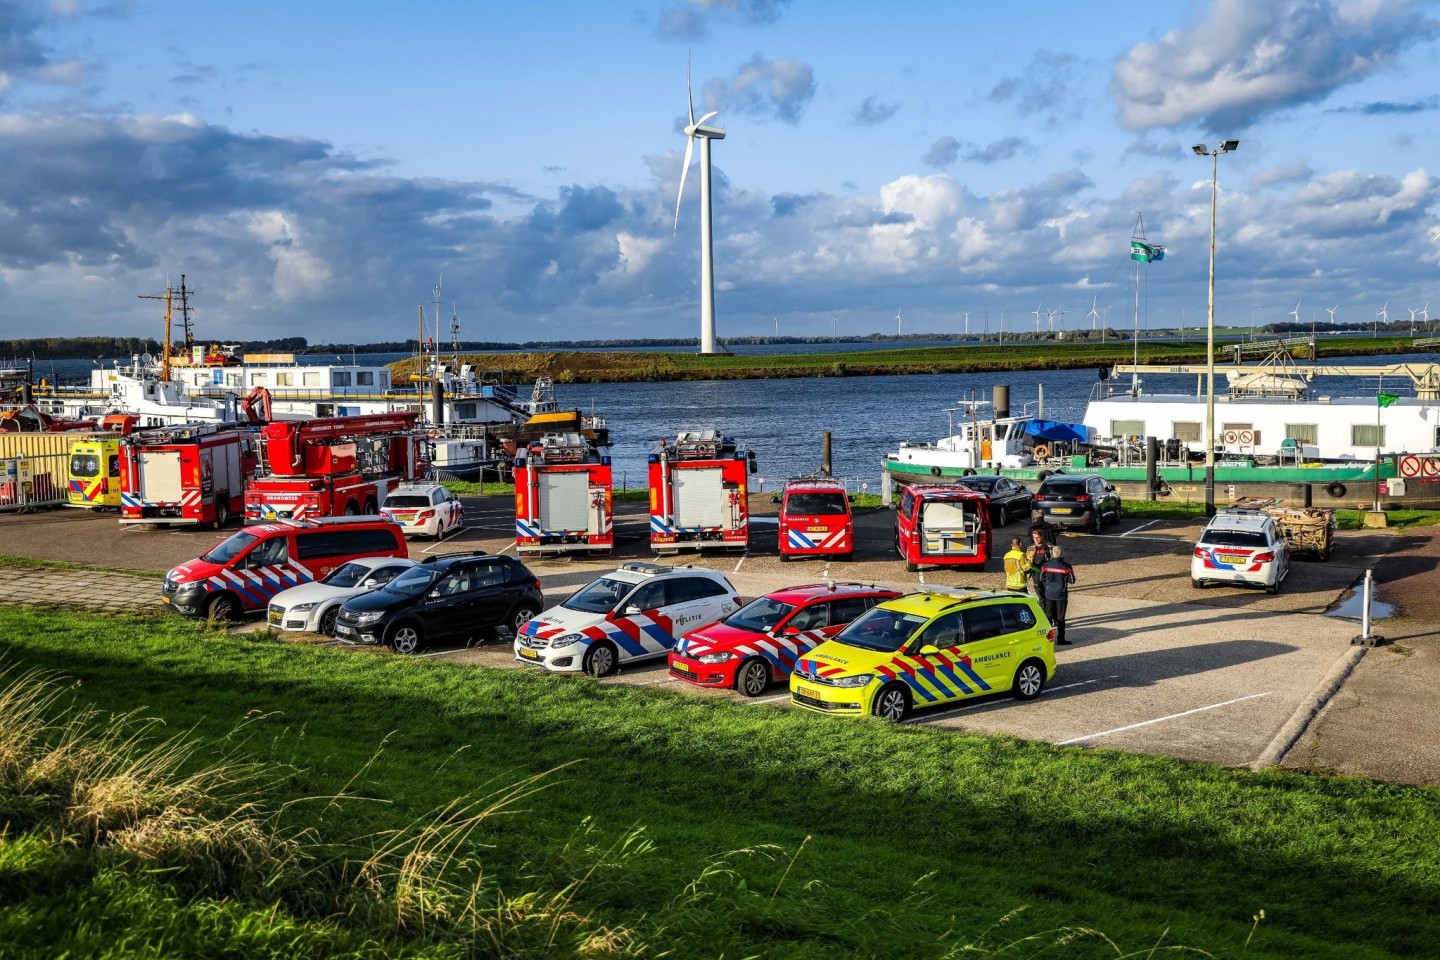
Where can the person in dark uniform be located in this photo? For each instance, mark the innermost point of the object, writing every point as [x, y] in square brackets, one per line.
[1056, 575]
[1036, 553]
[1038, 522]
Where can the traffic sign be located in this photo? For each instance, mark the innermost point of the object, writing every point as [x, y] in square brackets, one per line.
[1410, 465]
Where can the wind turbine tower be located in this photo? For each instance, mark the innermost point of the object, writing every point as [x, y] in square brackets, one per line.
[1383, 315]
[1331, 311]
[698, 131]
[897, 321]
[967, 322]
[1036, 315]
[1296, 312]
[1414, 312]
[1094, 313]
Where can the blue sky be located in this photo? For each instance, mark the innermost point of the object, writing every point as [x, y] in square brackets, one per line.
[313, 167]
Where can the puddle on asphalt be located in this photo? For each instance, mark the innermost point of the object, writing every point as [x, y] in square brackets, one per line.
[1353, 607]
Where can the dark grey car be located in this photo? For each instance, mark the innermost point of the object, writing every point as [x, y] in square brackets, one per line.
[1078, 500]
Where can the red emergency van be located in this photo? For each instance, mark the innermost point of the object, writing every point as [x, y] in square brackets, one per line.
[241, 573]
[815, 520]
[942, 525]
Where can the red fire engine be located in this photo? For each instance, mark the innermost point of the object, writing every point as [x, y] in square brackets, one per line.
[562, 496]
[697, 493]
[192, 473]
[943, 524]
[332, 466]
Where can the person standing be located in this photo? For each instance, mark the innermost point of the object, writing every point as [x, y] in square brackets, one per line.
[1035, 556]
[1017, 567]
[1046, 528]
[1056, 575]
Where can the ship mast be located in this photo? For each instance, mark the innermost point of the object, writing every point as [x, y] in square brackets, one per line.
[168, 297]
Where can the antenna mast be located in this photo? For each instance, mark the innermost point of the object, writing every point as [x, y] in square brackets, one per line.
[185, 315]
[168, 297]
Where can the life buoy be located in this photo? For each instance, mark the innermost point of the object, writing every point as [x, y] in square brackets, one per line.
[1336, 489]
[1041, 451]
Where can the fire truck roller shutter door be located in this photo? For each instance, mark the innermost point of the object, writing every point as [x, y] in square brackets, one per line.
[699, 498]
[564, 501]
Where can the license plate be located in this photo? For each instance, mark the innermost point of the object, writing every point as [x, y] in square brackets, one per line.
[1232, 558]
[274, 617]
[1063, 510]
[817, 529]
[677, 665]
[529, 654]
[343, 631]
[808, 692]
[166, 600]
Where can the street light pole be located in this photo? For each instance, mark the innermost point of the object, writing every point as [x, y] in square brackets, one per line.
[1225, 146]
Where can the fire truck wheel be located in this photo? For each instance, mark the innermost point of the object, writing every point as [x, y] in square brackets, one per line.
[404, 638]
[370, 508]
[327, 620]
[848, 556]
[222, 510]
[599, 659]
[784, 558]
[350, 509]
[753, 677]
[223, 607]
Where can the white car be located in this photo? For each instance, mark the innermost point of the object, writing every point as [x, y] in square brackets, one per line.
[424, 509]
[312, 607]
[1241, 547]
[638, 612]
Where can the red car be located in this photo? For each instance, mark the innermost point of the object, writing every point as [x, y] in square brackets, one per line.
[761, 641]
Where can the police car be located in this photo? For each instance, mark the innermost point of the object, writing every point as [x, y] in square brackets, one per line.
[1241, 548]
[424, 509]
[637, 612]
[928, 649]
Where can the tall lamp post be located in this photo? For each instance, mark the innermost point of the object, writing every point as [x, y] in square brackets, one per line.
[1226, 146]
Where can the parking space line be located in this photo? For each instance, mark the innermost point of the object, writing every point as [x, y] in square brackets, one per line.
[1146, 723]
[751, 703]
[737, 564]
[1148, 523]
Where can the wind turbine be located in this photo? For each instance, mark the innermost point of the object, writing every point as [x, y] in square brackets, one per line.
[1383, 314]
[1413, 312]
[967, 322]
[1331, 311]
[698, 131]
[897, 321]
[1094, 314]
[1038, 310]
[1296, 313]
[777, 326]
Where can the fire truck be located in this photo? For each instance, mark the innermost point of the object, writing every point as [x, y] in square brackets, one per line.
[194, 473]
[563, 496]
[697, 493]
[332, 466]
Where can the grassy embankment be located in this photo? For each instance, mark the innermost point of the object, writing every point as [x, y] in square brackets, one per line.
[344, 804]
[608, 367]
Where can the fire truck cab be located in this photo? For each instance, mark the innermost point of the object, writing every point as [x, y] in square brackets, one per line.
[815, 520]
[698, 488]
[942, 525]
[194, 473]
[563, 496]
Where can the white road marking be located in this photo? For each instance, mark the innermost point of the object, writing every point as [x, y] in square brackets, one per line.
[738, 563]
[439, 653]
[652, 683]
[751, 703]
[1146, 723]
[922, 576]
[508, 547]
[1142, 526]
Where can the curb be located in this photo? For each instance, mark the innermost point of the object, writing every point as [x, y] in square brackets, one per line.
[1299, 721]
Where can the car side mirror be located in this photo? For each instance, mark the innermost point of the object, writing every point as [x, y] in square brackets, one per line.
[370, 583]
[929, 650]
[434, 593]
[1109, 488]
[791, 631]
[632, 608]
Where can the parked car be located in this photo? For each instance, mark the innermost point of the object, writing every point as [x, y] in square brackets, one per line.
[815, 520]
[929, 649]
[1241, 547]
[942, 525]
[1008, 499]
[242, 572]
[424, 509]
[761, 641]
[636, 612]
[455, 595]
[313, 607]
[1082, 500]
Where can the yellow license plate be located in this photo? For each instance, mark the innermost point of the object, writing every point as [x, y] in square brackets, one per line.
[274, 618]
[676, 665]
[808, 692]
[1064, 510]
[817, 529]
[529, 654]
[166, 600]
[1231, 558]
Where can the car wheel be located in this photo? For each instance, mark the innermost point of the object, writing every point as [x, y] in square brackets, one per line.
[521, 615]
[223, 607]
[911, 566]
[599, 659]
[351, 510]
[784, 558]
[1273, 588]
[327, 620]
[1029, 680]
[892, 703]
[371, 507]
[753, 677]
[222, 511]
[404, 638]
[1197, 584]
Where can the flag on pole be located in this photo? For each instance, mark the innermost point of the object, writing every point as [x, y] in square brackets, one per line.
[1385, 399]
[1146, 252]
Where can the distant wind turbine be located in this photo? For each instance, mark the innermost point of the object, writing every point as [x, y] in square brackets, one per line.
[1331, 311]
[698, 131]
[1038, 311]
[1094, 314]
[777, 326]
[967, 322]
[897, 321]
[1414, 312]
[1050, 316]
[1383, 315]
[1296, 312]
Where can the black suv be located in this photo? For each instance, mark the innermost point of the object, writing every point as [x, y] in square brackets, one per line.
[455, 595]
[1079, 500]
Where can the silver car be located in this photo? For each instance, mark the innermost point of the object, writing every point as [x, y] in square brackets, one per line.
[312, 607]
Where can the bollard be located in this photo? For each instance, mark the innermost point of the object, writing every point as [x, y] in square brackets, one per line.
[825, 453]
[1367, 638]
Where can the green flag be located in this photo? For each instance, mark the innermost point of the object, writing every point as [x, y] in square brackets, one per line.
[1146, 252]
[1385, 399]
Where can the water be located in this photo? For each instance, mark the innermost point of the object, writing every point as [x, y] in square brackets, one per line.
[782, 420]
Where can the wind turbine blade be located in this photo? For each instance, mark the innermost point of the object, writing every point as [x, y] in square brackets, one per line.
[689, 151]
[689, 98]
[701, 121]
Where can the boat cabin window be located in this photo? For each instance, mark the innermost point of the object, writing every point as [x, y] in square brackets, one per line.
[464, 411]
[1127, 428]
[364, 378]
[339, 379]
[285, 379]
[1367, 435]
[384, 381]
[257, 379]
[1303, 432]
[312, 379]
[232, 379]
[1185, 431]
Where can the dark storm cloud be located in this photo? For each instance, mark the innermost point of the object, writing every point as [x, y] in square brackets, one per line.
[872, 111]
[1247, 60]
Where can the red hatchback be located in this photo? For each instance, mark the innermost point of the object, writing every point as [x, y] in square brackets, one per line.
[761, 641]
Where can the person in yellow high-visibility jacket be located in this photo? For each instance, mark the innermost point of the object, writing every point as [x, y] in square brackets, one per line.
[1017, 567]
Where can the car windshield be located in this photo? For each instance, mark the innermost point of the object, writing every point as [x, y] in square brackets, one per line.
[978, 485]
[84, 465]
[1234, 538]
[881, 630]
[759, 615]
[229, 548]
[600, 596]
[347, 575]
[412, 582]
[816, 504]
[407, 500]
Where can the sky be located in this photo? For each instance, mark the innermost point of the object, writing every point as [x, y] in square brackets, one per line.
[315, 168]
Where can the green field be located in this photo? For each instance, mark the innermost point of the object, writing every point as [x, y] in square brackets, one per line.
[661, 823]
[1024, 354]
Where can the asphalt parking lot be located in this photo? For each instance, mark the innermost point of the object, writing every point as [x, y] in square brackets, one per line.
[1156, 666]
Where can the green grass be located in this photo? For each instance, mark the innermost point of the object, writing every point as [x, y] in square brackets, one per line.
[760, 832]
[15, 562]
